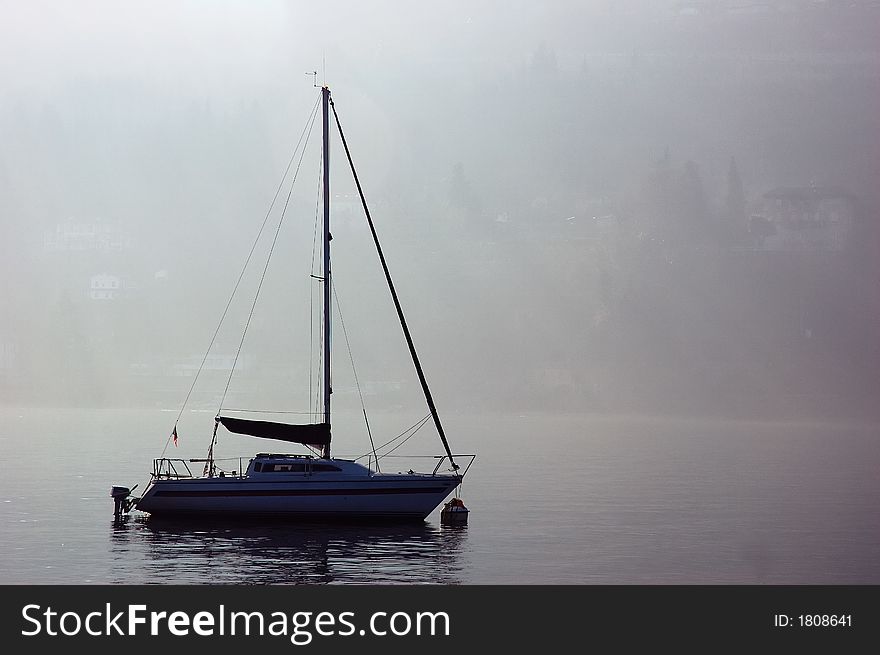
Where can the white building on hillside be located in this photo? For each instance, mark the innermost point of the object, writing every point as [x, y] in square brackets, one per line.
[104, 287]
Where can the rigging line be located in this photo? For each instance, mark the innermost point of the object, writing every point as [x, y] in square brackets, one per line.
[415, 425]
[316, 410]
[408, 438]
[409, 342]
[354, 370]
[319, 366]
[312, 273]
[266, 265]
[247, 260]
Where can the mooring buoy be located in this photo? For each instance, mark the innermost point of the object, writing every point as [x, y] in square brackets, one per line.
[454, 512]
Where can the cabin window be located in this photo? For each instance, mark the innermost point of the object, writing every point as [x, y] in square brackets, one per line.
[284, 468]
[324, 467]
[258, 467]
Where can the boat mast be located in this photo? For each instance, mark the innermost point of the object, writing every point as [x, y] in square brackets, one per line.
[325, 103]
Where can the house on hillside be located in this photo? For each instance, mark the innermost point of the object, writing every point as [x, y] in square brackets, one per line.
[104, 287]
[98, 235]
[8, 351]
[803, 218]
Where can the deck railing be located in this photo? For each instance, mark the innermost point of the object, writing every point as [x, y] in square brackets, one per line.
[440, 459]
[166, 468]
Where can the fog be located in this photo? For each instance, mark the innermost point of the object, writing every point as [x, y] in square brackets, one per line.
[648, 207]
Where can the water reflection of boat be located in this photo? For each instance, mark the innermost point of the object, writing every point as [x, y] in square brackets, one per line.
[225, 552]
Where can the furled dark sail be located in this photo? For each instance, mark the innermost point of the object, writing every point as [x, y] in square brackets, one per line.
[312, 434]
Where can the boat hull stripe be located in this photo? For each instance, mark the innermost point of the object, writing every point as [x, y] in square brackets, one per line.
[238, 493]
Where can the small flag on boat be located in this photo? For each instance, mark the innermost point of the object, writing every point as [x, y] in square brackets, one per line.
[174, 435]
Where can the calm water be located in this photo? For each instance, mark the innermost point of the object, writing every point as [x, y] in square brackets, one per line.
[573, 499]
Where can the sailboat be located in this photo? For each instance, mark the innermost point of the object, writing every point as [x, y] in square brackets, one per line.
[307, 486]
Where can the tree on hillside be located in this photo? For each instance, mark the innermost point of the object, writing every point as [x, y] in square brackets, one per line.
[734, 230]
[544, 64]
[461, 193]
[693, 208]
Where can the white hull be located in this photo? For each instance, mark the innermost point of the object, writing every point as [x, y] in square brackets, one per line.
[376, 496]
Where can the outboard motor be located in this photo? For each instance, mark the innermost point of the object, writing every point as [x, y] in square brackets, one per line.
[122, 501]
